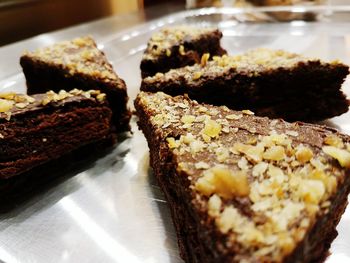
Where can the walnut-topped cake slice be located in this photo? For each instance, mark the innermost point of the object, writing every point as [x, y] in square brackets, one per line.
[77, 64]
[44, 127]
[272, 83]
[243, 188]
[178, 46]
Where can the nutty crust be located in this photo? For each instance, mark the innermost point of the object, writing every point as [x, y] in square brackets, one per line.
[275, 84]
[243, 188]
[179, 46]
[40, 128]
[77, 64]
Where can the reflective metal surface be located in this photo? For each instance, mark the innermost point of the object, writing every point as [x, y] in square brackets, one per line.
[114, 211]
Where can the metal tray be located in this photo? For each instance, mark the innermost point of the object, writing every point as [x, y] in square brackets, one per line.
[113, 211]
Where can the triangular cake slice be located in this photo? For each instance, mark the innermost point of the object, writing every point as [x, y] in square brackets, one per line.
[77, 64]
[272, 83]
[178, 46]
[243, 188]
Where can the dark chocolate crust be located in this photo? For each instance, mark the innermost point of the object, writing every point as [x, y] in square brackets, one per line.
[308, 90]
[45, 130]
[193, 49]
[44, 73]
[198, 238]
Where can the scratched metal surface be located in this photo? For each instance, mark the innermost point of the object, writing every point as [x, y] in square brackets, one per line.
[112, 210]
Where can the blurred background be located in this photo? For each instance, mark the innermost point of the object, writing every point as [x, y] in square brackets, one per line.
[20, 19]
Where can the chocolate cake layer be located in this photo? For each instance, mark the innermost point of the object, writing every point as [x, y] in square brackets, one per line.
[179, 46]
[275, 84]
[77, 64]
[16, 190]
[243, 188]
[39, 128]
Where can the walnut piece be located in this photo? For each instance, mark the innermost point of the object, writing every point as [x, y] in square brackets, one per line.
[224, 182]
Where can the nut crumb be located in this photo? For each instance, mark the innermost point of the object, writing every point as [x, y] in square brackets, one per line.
[204, 59]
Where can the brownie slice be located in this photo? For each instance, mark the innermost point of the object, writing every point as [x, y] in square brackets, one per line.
[272, 83]
[243, 188]
[77, 64]
[178, 46]
[37, 129]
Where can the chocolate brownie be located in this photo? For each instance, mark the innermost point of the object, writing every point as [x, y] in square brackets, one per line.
[272, 83]
[178, 46]
[243, 188]
[37, 129]
[77, 64]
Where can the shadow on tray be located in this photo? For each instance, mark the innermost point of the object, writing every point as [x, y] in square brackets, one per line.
[165, 214]
[21, 192]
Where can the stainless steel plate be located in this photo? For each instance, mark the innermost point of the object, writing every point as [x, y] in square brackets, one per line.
[114, 211]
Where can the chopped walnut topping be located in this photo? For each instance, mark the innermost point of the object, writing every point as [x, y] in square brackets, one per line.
[214, 205]
[342, 156]
[172, 143]
[159, 75]
[77, 56]
[29, 99]
[8, 96]
[225, 129]
[292, 133]
[317, 163]
[303, 154]
[312, 191]
[334, 140]
[253, 153]
[222, 154]
[234, 116]
[225, 222]
[6, 105]
[204, 59]
[274, 153]
[101, 97]
[243, 164]
[212, 128]
[188, 119]
[279, 139]
[248, 112]
[202, 165]
[329, 182]
[196, 75]
[21, 105]
[51, 96]
[8, 115]
[276, 173]
[196, 146]
[10, 100]
[182, 50]
[223, 182]
[260, 168]
[79, 42]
